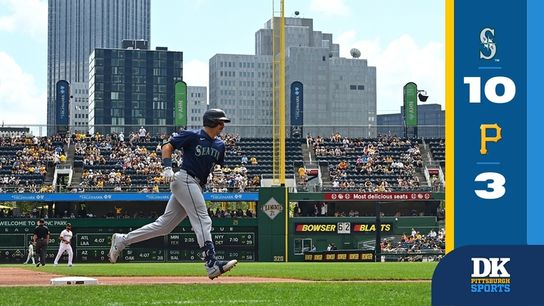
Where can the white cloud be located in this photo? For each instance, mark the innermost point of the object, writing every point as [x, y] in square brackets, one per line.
[401, 61]
[195, 73]
[21, 102]
[28, 16]
[330, 7]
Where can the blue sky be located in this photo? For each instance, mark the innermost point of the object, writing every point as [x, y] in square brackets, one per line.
[403, 39]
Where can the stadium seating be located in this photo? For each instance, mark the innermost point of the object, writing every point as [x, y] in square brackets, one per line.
[437, 146]
[108, 163]
[24, 161]
[383, 164]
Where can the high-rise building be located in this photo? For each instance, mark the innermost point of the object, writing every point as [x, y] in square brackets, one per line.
[330, 93]
[430, 121]
[130, 88]
[75, 29]
[241, 85]
[197, 104]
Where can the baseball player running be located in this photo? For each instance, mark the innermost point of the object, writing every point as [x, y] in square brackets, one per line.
[201, 151]
[65, 240]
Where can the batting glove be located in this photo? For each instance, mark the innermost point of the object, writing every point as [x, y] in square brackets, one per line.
[168, 174]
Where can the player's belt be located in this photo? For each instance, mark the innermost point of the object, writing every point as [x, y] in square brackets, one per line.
[193, 175]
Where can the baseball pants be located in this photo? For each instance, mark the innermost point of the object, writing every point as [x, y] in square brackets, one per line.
[62, 248]
[30, 257]
[41, 248]
[186, 200]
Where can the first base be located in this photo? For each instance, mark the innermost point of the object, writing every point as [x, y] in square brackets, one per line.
[74, 280]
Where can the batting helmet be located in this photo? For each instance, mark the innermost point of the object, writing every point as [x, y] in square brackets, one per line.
[213, 116]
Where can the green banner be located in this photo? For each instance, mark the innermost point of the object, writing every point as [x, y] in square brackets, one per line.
[180, 104]
[410, 104]
[271, 218]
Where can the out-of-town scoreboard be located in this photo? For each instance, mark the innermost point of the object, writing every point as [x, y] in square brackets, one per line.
[92, 240]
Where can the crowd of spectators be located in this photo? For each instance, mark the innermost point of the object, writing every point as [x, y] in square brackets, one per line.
[24, 161]
[110, 163]
[416, 243]
[383, 164]
[227, 179]
[114, 162]
[233, 177]
[230, 213]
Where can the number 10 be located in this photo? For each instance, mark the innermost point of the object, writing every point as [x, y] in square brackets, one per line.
[490, 89]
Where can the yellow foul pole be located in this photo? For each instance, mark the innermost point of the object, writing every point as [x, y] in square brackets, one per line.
[275, 149]
[282, 126]
[282, 95]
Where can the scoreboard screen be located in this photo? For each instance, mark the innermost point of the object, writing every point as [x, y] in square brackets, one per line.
[92, 244]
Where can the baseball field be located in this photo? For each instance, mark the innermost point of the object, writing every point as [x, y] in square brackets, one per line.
[247, 284]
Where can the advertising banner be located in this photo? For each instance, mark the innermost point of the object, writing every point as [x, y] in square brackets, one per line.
[62, 100]
[297, 104]
[377, 196]
[297, 109]
[180, 104]
[119, 196]
[410, 104]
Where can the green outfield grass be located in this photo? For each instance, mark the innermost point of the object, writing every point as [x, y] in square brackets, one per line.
[328, 290]
[227, 294]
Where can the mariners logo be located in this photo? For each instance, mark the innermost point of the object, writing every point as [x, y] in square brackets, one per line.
[490, 275]
[487, 39]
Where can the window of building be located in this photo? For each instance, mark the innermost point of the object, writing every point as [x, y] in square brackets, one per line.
[360, 87]
[352, 87]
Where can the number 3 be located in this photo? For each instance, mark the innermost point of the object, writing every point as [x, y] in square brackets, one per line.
[496, 184]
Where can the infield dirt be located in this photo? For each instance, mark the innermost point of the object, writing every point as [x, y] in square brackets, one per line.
[25, 277]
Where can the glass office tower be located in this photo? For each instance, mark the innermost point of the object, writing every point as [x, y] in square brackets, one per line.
[75, 29]
[130, 88]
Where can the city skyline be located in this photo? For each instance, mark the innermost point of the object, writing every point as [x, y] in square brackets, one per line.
[409, 49]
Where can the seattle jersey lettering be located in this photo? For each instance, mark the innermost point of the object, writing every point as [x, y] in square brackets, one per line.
[206, 151]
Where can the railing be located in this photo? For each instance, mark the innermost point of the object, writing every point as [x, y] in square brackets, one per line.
[426, 255]
[329, 187]
[244, 130]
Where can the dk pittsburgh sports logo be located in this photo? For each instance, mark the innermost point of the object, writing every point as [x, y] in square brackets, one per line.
[489, 275]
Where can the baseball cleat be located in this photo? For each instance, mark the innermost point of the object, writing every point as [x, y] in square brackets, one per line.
[117, 246]
[220, 267]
